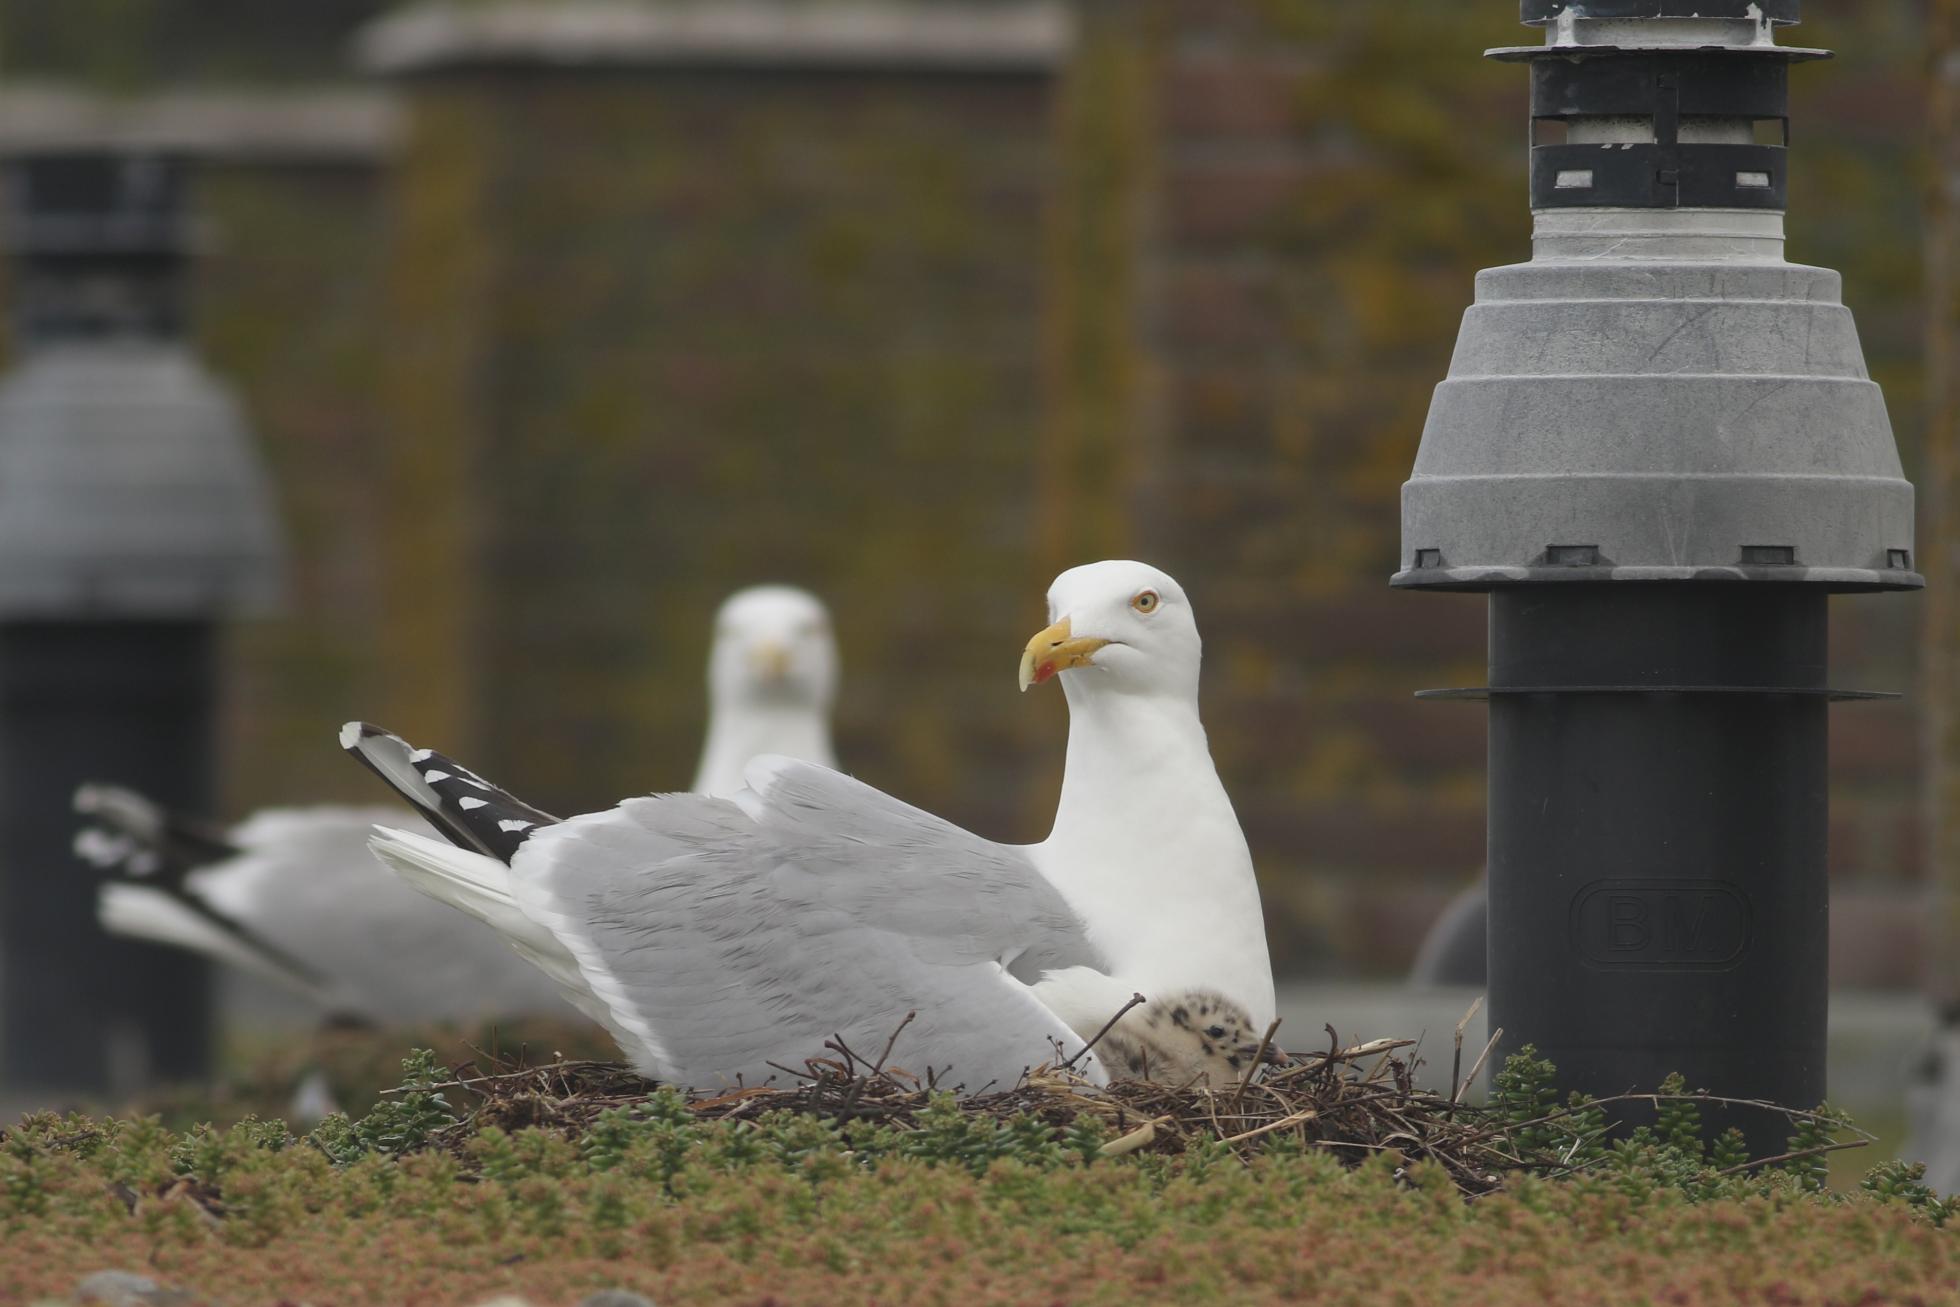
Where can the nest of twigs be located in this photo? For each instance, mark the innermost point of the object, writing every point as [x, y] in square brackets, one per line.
[1361, 1097]
[1353, 1101]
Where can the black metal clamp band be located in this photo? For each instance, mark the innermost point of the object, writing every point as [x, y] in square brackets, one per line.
[1667, 88]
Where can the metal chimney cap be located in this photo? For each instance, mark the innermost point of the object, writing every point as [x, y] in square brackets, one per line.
[129, 489]
[1657, 396]
[1540, 13]
[1679, 416]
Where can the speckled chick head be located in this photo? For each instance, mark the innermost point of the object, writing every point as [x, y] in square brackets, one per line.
[1194, 1036]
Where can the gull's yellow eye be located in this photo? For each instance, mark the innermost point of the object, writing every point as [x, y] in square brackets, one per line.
[1145, 601]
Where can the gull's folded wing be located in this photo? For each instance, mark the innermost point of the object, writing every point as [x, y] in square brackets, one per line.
[731, 934]
[917, 875]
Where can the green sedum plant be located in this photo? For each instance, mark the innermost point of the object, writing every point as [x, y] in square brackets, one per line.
[814, 1206]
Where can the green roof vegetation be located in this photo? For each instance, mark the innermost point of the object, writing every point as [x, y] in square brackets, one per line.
[864, 1188]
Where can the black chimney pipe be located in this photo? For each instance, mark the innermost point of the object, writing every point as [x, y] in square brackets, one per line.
[135, 517]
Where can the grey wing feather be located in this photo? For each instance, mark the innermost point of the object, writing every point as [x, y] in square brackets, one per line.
[885, 861]
[727, 944]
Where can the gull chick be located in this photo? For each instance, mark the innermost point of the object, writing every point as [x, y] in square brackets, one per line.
[720, 939]
[1198, 1036]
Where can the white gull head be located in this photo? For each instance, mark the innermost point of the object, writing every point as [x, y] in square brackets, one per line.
[1145, 846]
[772, 674]
[1127, 628]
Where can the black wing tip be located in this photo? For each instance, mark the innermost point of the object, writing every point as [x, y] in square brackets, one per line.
[470, 811]
[127, 832]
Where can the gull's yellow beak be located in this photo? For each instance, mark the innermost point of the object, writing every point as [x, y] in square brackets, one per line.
[1055, 650]
[770, 660]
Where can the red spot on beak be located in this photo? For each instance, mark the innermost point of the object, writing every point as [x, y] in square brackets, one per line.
[1043, 673]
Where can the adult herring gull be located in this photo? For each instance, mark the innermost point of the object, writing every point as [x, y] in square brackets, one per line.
[714, 937]
[772, 676]
[293, 896]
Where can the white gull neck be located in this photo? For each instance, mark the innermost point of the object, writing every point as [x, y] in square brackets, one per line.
[1133, 760]
[739, 731]
[1147, 849]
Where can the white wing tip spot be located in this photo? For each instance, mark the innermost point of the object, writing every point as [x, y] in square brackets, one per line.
[511, 824]
[350, 735]
[467, 804]
[432, 776]
[421, 755]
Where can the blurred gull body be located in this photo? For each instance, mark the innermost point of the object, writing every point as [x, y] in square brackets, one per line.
[716, 937]
[1932, 1097]
[284, 896]
[1453, 950]
[293, 896]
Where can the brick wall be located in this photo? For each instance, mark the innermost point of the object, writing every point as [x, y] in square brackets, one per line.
[287, 305]
[664, 333]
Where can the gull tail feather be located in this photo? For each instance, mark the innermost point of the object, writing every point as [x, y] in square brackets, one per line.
[154, 914]
[463, 878]
[479, 884]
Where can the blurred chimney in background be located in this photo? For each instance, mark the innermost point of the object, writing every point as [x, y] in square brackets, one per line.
[135, 516]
